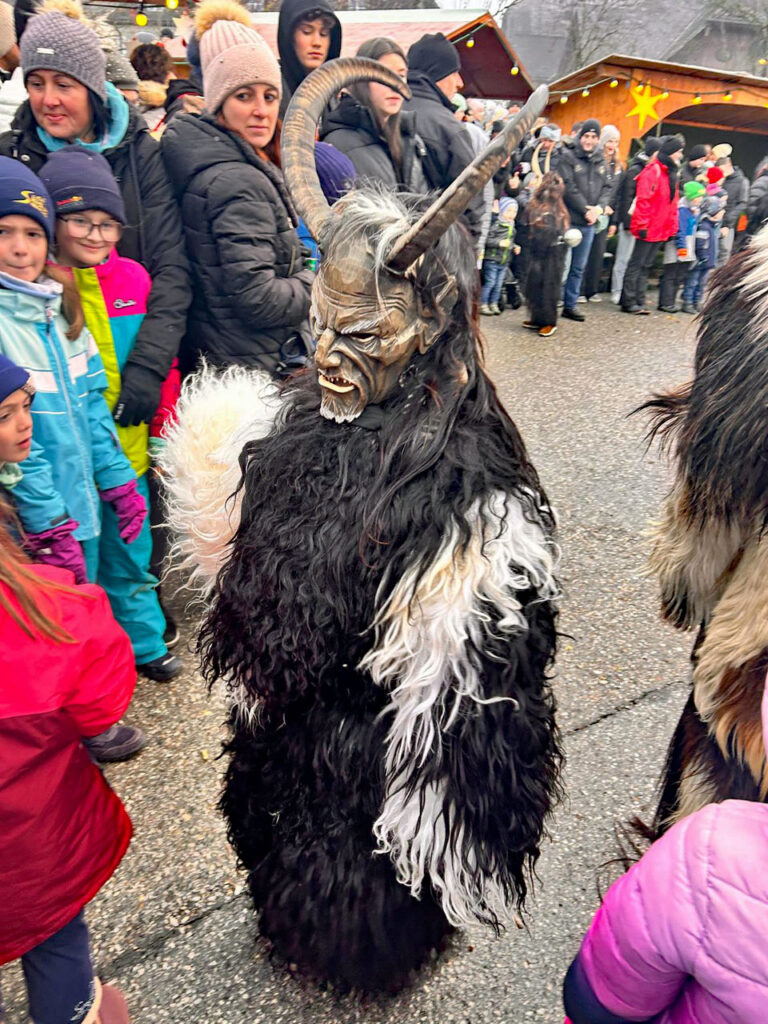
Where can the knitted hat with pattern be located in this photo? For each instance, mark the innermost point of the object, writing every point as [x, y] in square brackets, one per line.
[60, 39]
[23, 194]
[232, 53]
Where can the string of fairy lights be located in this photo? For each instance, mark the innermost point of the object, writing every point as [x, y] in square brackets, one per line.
[697, 96]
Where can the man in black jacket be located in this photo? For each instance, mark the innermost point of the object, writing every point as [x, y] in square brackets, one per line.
[588, 188]
[736, 184]
[434, 77]
[693, 166]
[623, 201]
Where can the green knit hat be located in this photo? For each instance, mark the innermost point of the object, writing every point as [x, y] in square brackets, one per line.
[693, 190]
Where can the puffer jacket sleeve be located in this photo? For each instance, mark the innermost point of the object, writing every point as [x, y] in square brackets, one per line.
[111, 468]
[644, 940]
[164, 255]
[242, 211]
[103, 686]
[39, 504]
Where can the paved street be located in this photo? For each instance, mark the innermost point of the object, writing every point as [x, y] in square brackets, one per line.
[174, 927]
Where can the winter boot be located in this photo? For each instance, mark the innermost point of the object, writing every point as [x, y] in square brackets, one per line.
[494, 308]
[119, 743]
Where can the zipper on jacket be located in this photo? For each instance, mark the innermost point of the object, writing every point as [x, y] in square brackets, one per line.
[66, 381]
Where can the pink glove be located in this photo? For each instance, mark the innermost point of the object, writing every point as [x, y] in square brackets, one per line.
[130, 509]
[58, 547]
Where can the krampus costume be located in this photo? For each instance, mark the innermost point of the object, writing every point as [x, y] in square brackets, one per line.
[383, 616]
[711, 551]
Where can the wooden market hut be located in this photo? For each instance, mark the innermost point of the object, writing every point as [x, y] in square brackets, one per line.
[641, 96]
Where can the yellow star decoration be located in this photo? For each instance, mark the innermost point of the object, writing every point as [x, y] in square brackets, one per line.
[645, 104]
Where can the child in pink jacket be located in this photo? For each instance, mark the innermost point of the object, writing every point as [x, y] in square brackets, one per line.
[682, 938]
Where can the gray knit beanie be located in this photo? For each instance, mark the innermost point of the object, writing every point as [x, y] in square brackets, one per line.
[57, 42]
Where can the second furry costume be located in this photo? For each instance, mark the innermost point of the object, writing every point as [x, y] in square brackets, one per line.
[383, 616]
[711, 552]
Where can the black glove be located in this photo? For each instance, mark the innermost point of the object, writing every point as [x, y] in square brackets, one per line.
[642, 235]
[139, 395]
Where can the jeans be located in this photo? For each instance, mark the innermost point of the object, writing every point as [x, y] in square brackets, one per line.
[672, 276]
[624, 247]
[694, 285]
[59, 976]
[636, 276]
[493, 281]
[579, 257]
[726, 247]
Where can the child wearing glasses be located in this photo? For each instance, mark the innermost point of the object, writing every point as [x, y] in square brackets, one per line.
[113, 290]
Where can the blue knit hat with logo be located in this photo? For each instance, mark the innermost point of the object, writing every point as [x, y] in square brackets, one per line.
[12, 377]
[80, 180]
[22, 193]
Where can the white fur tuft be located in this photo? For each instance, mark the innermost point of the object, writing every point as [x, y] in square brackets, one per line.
[217, 413]
[424, 631]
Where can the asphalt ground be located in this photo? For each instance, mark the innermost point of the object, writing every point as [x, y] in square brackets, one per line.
[174, 927]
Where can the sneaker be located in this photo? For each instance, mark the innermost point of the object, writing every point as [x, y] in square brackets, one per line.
[530, 325]
[119, 743]
[573, 314]
[631, 309]
[594, 298]
[113, 1008]
[161, 669]
[688, 307]
[548, 331]
[616, 298]
[494, 308]
[485, 309]
[669, 309]
[582, 298]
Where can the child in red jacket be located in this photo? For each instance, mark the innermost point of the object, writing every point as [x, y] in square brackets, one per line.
[68, 673]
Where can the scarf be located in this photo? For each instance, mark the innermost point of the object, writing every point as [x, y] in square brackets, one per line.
[117, 115]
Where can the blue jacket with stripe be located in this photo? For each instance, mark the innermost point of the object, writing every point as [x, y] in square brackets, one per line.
[75, 449]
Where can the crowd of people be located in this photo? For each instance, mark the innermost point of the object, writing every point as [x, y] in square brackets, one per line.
[145, 224]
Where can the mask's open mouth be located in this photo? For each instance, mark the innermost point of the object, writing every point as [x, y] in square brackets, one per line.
[338, 384]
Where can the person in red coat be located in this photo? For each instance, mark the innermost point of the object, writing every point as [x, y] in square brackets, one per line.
[654, 220]
[67, 673]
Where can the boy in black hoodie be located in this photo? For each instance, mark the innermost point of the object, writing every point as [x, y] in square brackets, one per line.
[308, 34]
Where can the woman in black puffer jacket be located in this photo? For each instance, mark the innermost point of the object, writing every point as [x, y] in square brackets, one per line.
[369, 126]
[251, 295]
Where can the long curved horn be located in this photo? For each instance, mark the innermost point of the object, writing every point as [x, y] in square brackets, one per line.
[300, 125]
[451, 203]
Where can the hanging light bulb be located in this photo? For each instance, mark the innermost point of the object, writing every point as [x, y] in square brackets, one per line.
[564, 98]
[585, 93]
[470, 42]
[514, 70]
[141, 18]
[728, 95]
[665, 95]
[613, 83]
[697, 98]
[763, 61]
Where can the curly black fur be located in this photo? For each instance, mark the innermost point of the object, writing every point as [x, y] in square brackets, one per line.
[329, 513]
[717, 423]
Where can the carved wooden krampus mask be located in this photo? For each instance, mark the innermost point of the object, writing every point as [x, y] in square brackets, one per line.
[368, 317]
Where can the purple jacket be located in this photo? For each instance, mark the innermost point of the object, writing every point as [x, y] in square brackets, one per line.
[682, 938]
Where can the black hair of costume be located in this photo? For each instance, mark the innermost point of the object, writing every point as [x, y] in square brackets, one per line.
[335, 519]
[543, 287]
[710, 552]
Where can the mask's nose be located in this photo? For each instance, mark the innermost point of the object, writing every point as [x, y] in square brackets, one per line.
[324, 354]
